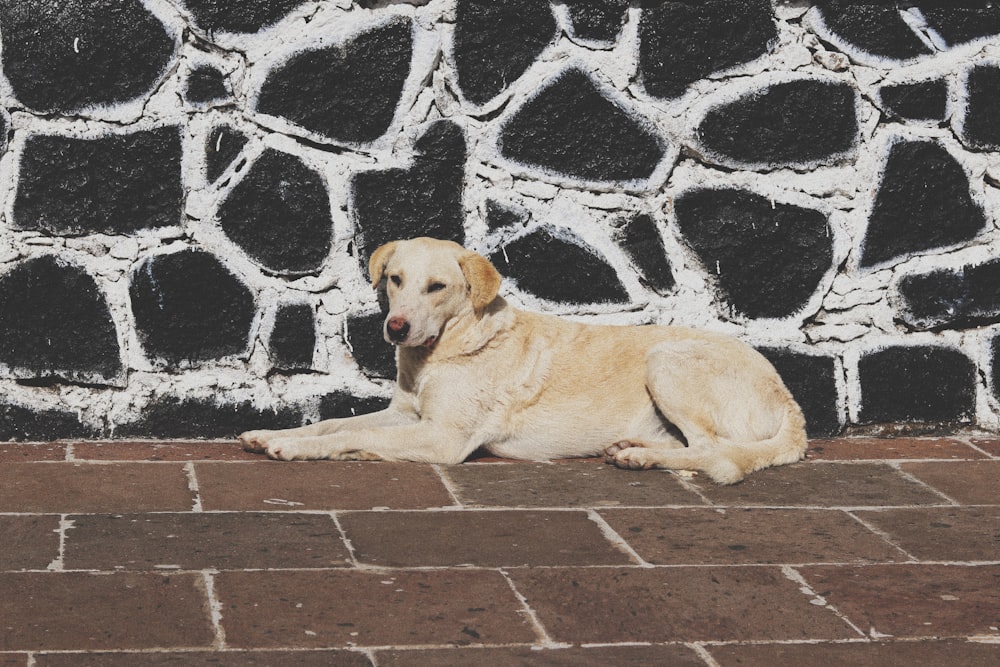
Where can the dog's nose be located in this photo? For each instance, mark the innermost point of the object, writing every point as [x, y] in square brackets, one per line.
[397, 328]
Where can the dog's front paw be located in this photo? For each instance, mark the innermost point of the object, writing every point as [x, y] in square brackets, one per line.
[255, 441]
[625, 454]
[286, 449]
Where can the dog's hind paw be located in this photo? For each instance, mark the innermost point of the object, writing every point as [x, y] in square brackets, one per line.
[254, 441]
[629, 455]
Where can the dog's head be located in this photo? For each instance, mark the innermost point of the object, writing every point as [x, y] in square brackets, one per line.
[429, 282]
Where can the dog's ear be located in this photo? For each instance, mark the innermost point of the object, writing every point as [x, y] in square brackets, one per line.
[379, 258]
[484, 280]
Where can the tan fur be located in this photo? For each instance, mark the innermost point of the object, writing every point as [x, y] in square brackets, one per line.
[475, 373]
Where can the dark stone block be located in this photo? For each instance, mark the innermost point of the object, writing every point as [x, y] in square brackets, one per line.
[222, 147]
[293, 338]
[242, 16]
[873, 27]
[495, 42]
[189, 307]
[65, 56]
[801, 122]
[922, 203]
[205, 84]
[682, 42]
[347, 92]
[641, 240]
[26, 424]
[55, 323]
[339, 405]
[921, 383]
[812, 379]
[953, 299]
[422, 200]
[376, 357]
[960, 24]
[500, 215]
[767, 258]
[113, 185]
[980, 128]
[597, 20]
[558, 266]
[172, 417]
[995, 366]
[279, 214]
[570, 128]
[924, 100]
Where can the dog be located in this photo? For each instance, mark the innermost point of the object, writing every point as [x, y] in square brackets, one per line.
[476, 373]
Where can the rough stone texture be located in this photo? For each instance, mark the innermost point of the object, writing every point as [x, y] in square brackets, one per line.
[812, 379]
[597, 20]
[293, 338]
[916, 383]
[963, 298]
[532, 260]
[117, 184]
[641, 240]
[279, 214]
[244, 16]
[875, 28]
[347, 92]
[767, 258]
[203, 164]
[221, 149]
[962, 22]
[682, 42]
[189, 307]
[573, 130]
[803, 122]
[422, 200]
[76, 54]
[922, 203]
[55, 323]
[173, 417]
[924, 100]
[205, 84]
[494, 43]
[979, 127]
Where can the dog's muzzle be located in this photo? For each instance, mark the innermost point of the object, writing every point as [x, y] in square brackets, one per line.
[397, 329]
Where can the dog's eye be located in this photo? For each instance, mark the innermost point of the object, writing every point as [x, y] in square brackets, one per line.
[396, 280]
[435, 287]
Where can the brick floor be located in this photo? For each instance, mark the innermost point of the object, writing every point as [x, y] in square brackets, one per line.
[873, 552]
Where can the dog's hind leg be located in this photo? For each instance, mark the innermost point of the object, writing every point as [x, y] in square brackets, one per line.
[729, 403]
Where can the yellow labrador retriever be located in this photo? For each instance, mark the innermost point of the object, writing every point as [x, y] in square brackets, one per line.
[474, 372]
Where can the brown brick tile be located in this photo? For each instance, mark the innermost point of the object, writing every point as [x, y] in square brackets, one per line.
[597, 656]
[702, 535]
[857, 654]
[822, 485]
[484, 538]
[195, 541]
[162, 451]
[845, 449]
[968, 482]
[941, 533]
[913, 600]
[85, 487]
[991, 444]
[28, 542]
[587, 483]
[336, 658]
[319, 485]
[19, 452]
[79, 611]
[605, 605]
[14, 660]
[340, 608]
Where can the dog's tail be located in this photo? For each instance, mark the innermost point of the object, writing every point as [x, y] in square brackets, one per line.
[728, 462]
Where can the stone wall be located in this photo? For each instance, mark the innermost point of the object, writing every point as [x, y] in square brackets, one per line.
[190, 189]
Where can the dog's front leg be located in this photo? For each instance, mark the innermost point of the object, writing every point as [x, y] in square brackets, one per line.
[422, 442]
[257, 441]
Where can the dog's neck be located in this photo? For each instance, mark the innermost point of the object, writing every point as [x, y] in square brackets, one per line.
[466, 334]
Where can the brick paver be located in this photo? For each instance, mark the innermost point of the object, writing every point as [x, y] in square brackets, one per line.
[874, 552]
